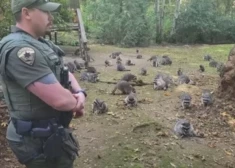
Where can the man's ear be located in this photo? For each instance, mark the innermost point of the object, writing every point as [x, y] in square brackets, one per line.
[25, 13]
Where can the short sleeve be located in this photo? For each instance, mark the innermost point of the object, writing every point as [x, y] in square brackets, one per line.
[26, 65]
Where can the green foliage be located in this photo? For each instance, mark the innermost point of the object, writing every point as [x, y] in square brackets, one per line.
[201, 23]
[6, 18]
[132, 23]
[65, 15]
[121, 22]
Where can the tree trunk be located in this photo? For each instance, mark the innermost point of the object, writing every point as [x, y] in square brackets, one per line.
[157, 12]
[121, 7]
[177, 11]
[228, 5]
[161, 22]
[227, 81]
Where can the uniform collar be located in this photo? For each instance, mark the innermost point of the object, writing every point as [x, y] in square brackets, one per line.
[15, 29]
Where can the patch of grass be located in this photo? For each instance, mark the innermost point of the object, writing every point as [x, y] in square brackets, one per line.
[153, 151]
[121, 157]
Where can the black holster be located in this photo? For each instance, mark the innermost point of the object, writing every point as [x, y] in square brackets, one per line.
[61, 140]
[52, 147]
[54, 136]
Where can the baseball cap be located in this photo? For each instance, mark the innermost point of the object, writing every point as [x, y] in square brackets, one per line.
[44, 5]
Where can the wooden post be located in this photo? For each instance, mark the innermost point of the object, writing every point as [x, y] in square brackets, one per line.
[48, 33]
[55, 37]
[82, 38]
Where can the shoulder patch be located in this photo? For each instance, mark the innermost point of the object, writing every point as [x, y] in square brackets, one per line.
[27, 55]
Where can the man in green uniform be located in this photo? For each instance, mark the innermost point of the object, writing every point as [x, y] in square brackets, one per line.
[31, 70]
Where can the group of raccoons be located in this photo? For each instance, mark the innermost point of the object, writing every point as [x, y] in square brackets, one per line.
[162, 81]
[213, 63]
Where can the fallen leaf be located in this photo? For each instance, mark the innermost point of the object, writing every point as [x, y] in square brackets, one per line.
[190, 157]
[135, 159]
[72, 126]
[110, 113]
[145, 101]
[231, 122]
[203, 158]
[174, 136]
[163, 134]
[92, 139]
[224, 114]
[228, 153]
[4, 124]
[173, 165]
[137, 150]
[7, 159]
[167, 94]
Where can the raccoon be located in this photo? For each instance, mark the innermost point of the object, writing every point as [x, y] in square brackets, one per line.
[124, 87]
[71, 66]
[121, 67]
[89, 77]
[143, 71]
[220, 66]
[179, 72]
[183, 128]
[108, 63]
[115, 54]
[207, 58]
[201, 68]
[129, 63]
[152, 58]
[155, 63]
[166, 60]
[119, 59]
[213, 63]
[131, 100]
[91, 69]
[129, 77]
[78, 65]
[183, 79]
[159, 83]
[139, 56]
[206, 98]
[99, 107]
[185, 100]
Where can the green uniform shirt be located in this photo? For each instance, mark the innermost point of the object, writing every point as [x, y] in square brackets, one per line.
[25, 74]
[25, 65]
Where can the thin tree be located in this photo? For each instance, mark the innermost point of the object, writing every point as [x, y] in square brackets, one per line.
[176, 14]
[157, 12]
[161, 22]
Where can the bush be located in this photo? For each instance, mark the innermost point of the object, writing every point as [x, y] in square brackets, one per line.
[201, 23]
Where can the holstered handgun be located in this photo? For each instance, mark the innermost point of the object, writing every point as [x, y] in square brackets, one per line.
[65, 117]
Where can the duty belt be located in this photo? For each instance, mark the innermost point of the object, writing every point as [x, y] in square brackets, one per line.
[37, 128]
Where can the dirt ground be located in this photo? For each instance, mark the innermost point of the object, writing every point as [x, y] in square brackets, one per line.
[7, 159]
[143, 137]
